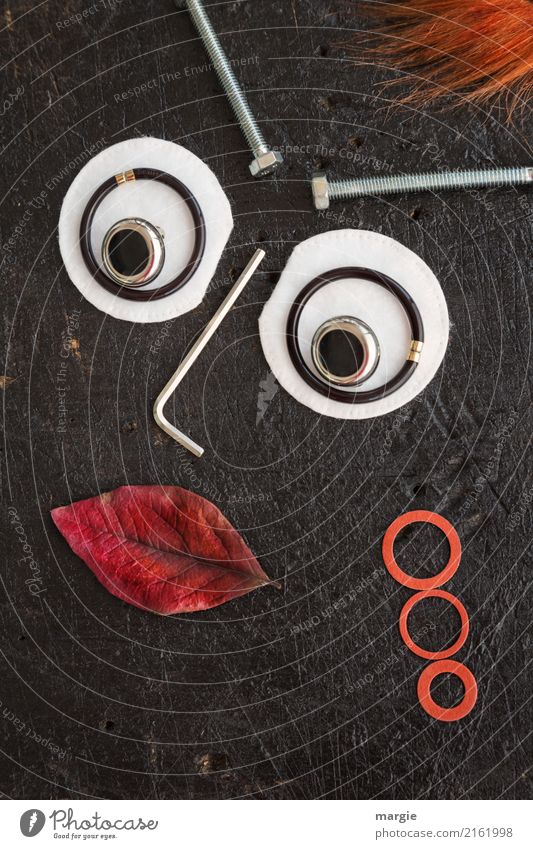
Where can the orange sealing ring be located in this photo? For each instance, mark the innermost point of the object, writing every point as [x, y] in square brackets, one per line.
[430, 705]
[453, 541]
[408, 640]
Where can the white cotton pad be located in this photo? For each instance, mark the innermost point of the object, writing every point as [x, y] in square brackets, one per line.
[364, 300]
[159, 205]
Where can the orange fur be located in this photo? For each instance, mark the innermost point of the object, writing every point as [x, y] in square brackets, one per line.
[477, 48]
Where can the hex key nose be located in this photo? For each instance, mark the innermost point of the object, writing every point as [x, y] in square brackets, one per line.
[195, 351]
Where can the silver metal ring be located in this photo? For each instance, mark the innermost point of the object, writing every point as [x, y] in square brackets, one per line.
[133, 252]
[365, 355]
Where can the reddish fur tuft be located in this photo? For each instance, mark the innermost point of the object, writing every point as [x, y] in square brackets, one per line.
[477, 48]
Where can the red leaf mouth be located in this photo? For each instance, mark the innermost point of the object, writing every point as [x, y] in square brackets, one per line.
[161, 548]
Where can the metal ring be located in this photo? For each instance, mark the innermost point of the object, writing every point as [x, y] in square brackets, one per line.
[317, 383]
[155, 252]
[367, 341]
[425, 516]
[440, 667]
[199, 230]
[444, 653]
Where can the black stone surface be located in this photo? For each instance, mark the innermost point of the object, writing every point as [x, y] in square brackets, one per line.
[307, 693]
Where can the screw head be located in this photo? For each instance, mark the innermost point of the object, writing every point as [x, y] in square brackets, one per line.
[266, 163]
[320, 188]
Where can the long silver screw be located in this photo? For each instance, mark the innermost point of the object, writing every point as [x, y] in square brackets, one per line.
[324, 190]
[265, 159]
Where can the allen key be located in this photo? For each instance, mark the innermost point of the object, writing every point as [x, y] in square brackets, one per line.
[194, 353]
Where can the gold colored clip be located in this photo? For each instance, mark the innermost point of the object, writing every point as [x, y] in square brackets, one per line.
[414, 352]
[125, 177]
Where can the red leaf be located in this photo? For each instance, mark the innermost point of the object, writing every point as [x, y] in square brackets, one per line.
[161, 548]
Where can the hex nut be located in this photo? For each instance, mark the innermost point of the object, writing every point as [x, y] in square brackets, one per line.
[320, 190]
[266, 163]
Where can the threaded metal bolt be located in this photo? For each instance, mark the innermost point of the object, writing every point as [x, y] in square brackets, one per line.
[324, 191]
[265, 159]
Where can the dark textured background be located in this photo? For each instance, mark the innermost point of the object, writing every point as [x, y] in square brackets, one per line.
[306, 693]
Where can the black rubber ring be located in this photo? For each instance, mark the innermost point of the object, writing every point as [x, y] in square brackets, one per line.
[197, 253]
[295, 353]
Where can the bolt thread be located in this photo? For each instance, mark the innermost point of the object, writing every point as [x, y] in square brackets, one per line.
[227, 78]
[476, 178]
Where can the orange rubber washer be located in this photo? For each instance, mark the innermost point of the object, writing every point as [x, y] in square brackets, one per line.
[453, 540]
[430, 705]
[410, 643]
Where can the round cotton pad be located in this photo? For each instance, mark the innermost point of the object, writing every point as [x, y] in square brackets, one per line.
[366, 302]
[157, 204]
